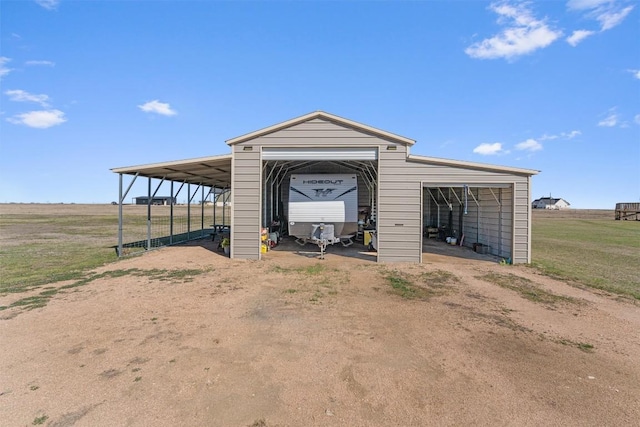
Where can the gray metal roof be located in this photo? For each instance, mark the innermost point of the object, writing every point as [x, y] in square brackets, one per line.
[214, 171]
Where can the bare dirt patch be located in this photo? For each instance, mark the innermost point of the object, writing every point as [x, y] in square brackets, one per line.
[295, 341]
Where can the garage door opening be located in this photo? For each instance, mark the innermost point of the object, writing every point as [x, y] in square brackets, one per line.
[278, 167]
[478, 217]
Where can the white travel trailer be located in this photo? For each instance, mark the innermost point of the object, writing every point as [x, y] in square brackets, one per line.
[323, 208]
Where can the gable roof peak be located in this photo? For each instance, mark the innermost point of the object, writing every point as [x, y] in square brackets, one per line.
[319, 114]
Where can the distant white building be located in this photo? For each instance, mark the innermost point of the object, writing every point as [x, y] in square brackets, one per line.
[550, 203]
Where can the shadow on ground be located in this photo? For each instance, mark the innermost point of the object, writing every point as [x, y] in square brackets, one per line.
[356, 250]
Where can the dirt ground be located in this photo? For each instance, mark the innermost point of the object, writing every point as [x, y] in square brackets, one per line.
[283, 342]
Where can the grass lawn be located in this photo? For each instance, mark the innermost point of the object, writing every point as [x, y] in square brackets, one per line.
[43, 244]
[48, 243]
[45, 248]
[588, 248]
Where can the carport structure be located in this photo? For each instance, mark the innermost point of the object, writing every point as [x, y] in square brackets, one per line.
[197, 179]
[404, 193]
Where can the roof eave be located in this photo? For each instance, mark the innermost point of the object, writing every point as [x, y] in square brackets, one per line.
[139, 168]
[473, 165]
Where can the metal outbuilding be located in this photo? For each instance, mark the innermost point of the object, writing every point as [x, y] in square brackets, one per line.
[480, 203]
[157, 200]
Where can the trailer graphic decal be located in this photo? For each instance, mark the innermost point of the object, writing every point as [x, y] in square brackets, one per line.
[301, 193]
[346, 192]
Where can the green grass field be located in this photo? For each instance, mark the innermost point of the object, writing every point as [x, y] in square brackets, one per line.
[588, 248]
[43, 244]
[48, 243]
[46, 247]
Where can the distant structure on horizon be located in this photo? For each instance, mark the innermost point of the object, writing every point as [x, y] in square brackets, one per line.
[627, 211]
[158, 200]
[550, 203]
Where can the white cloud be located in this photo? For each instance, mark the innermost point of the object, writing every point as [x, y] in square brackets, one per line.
[562, 135]
[47, 63]
[578, 36]
[636, 73]
[24, 96]
[571, 134]
[39, 119]
[4, 70]
[637, 119]
[49, 4]
[529, 145]
[609, 13]
[157, 107]
[610, 121]
[585, 4]
[487, 149]
[523, 34]
[546, 137]
[612, 18]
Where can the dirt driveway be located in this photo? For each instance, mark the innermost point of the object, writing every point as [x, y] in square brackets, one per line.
[294, 341]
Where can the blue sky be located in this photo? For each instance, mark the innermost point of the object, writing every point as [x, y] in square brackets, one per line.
[91, 85]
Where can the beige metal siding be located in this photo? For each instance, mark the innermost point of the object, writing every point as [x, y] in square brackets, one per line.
[245, 206]
[400, 203]
[399, 193]
[317, 133]
[399, 209]
[522, 214]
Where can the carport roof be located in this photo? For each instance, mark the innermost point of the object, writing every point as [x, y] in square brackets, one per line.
[214, 171]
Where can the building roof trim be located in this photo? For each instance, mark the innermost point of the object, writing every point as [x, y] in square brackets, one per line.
[323, 116]
[471, 165]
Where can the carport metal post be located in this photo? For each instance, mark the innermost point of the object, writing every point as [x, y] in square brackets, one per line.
[202, 212]
[195, 192]
[437, 205]
[225, 200]
[499, 202]
[149, 214]
[151, 196]
[269, 196]
[468, 190]
[210, 192]
[277, 182]
[216, 196]
[188, 211]
[450, 221]
[171, 217]
[120, 216]
[176, 198]
[265, 182]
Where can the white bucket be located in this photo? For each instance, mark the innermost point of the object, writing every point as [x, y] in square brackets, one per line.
[453, 241]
